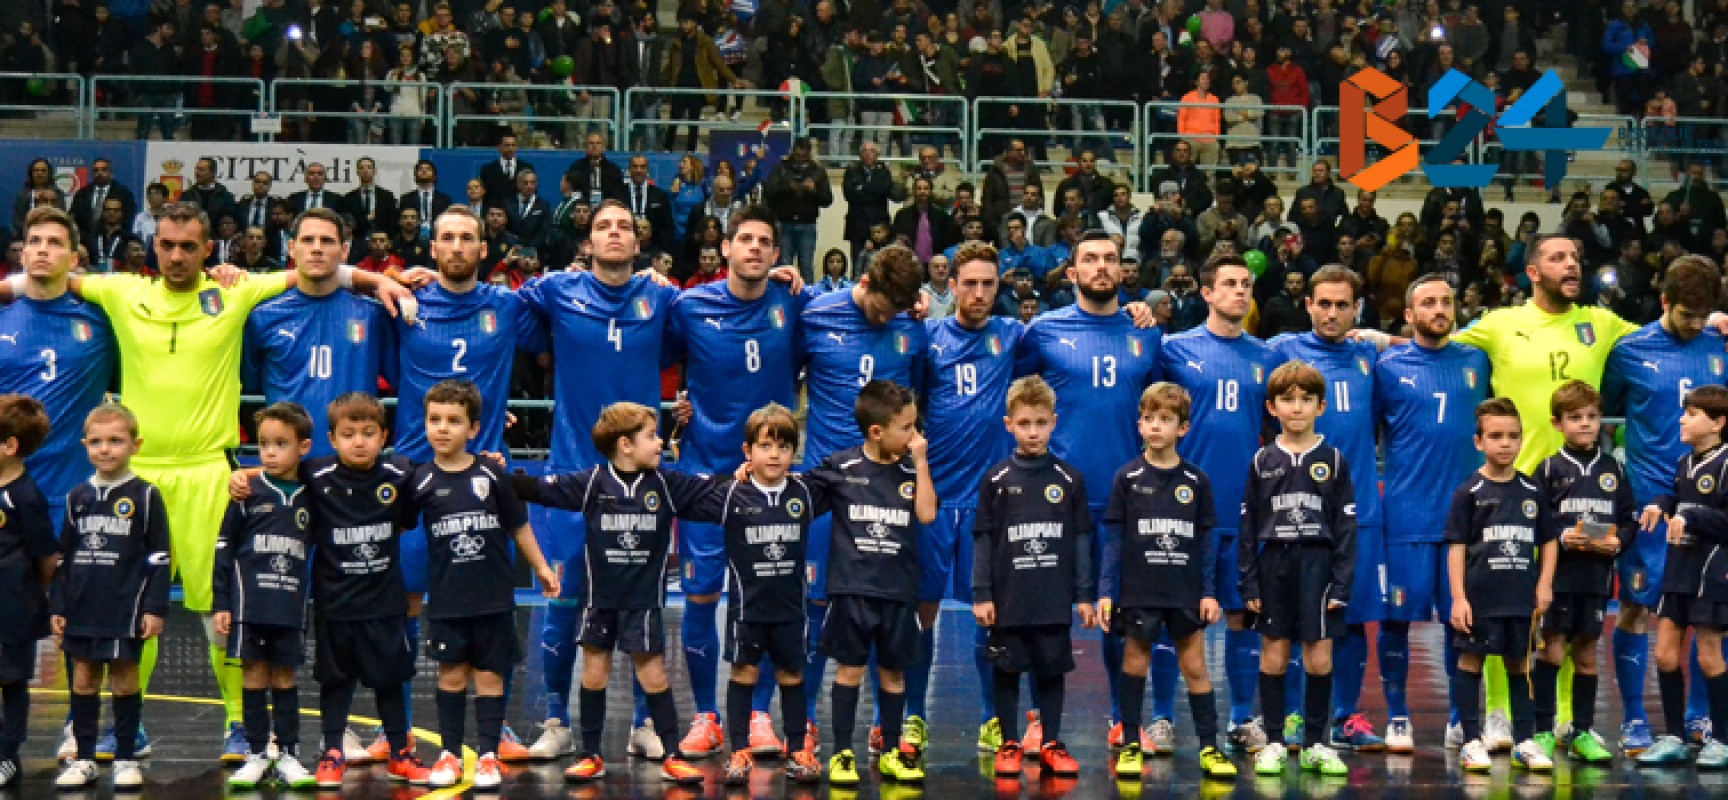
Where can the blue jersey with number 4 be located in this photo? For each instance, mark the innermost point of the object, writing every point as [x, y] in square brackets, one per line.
[1427, 402]
[312, 350]
[473, 336]
[1226, 380]
[1648, 375]
[843, 351]
[738, 357]
[1349, 420]
[967, 374]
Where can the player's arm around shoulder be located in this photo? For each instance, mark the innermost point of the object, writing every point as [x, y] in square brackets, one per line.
[567, 491]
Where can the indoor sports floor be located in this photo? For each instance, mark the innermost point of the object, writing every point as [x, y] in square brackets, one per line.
[184, 721]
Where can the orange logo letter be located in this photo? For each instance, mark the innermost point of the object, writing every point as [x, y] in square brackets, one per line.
[1382, 125]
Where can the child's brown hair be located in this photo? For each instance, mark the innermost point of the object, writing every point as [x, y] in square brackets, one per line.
[1166, 396]
[878, 402]
[773, 422]
[112, 412]
[288, 413]
[618, 421]
[1573, 395]
[355, 407]
[1494, 407]
[456, 392]
[1032, 392]
[1710, 399]
[23, 418]
[1296, 375]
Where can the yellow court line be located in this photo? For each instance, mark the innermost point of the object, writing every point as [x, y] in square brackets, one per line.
[468, 755]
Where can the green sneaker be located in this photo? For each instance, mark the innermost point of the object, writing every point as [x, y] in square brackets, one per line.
[1587, 746]
[990, 736]
[915, 733]
[843, 769]
[1324, 760]
[1130, 762]
[900, 764]
[1545, 740]
[1293, 731]
[1215, 764]
[1270, 760]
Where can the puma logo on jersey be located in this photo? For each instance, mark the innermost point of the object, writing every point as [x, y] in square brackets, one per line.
[938, 348]
[1407, 380]
[839, 338]
[1199, 366]
[712, 321]
[1654, 367]
[287, 333]
[580, 306]
[1070, 342]
[9, 337]
[1525, 335]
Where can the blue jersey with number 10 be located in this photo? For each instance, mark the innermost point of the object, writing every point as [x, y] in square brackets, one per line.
[1349, 421]
[1427, 400]
[1226, 380]
[62, 353]
[968, 372]
[473, 336]
[1648, 375]
[312, 350]
[843, 352]
[738, 358]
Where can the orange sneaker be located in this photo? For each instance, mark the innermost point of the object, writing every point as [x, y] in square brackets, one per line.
[738, 769]
[379, 749]
[406, 766]
[812, 738]
[446, 771]
[677, 770]
[804, 768]
[585, 769]
[1057, 761]
[1008, 758]
[510, 747]
[331, 765]
[704, 738]
[488, 773]
[1118, 736]
[763, 742]
[1032, 741]
[876, 743]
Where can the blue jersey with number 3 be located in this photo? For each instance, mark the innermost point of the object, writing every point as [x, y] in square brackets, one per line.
[1648, 375]
[843, 351]
[312, 350]
[62, 353]
[1427, 401]
[1226, 381]
[967, 374]
[1349, 420]
[473, 336]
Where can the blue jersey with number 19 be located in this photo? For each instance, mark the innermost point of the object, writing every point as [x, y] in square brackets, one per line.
[1647, 377]
[968, 372]
[473, 336]
[311, 350]
[62, 353]
[1427, 401]
[738, 358]
[1098, 366]
[843, 352]
[1226, 379]
[1349, 421]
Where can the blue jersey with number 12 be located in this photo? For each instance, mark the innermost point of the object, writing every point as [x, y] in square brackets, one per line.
[738, 358]
[1427, 401]
[1349, 421]
[968, 372]
[312, 350]
[473, 336]
[1648, 375]
[843, 352]
[1226, 379]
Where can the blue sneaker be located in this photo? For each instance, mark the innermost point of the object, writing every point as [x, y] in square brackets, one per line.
[142, 748]
[1355, 733]
[105, 746]
[1635, 736]
[1698, 731]
[235, 749]
[1667, 751]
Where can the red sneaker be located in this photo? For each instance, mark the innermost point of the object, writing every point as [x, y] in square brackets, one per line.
[677, 770]
[585, 769]
[763, 742]
[876, 743]
[405, 766]
[1117, 738]
[738, 769]
[331, 765]
[1008, 759]
[704, 738]
[510, 747]
[1057, 761]
[1032, 742]
[379, 749]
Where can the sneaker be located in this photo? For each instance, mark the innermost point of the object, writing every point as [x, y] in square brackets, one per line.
[1324, 760]
[645, 743]
[676, 770]
[104, 746]
[1666, 751]
[1454, 735]
[68, 750]
[376, 752]
[555, 740]
[1159, 738]
[1130, 761]
[989, 736]
[489, 772]
[803, 767]
[1293, 725]
[1714, 755]
[1008, 759]
[1246, 737]
[903, 764]
[234, 748]
[1355, 733]
[77, 774]
[331, 765]
[1587, 746]
[875, 744]
[289, 770]
[812, 738]
[916, 733]
[586, 768]
[843, 769]
[1497, 732]
[251, 773]
[1057, 761]
[1399, 737]
[356, 752]
[127, 776]
[1635, 736]
[704, 738]
[9, 770]
[1474, 757]
[1118, 735]
[1214, 763]
[1545, 741]
[407, 767]
[1529, 755]
[446, 771]
[1033, 740]
[510, 747]
[739, 767]
[141, 748]
[1697, 731]
[763, 742]
[1270, 760]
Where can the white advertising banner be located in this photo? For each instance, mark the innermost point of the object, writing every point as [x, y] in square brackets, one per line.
[171, 163]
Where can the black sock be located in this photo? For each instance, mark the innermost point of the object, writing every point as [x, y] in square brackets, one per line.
[393, 714]
[1718, 686]
[792, 715]
[1583, 701]
[128, 715]
[1469, 697]
[844, 700]
[893, 713]
[452, 719]
[334, 700]
[1006, 687]
[664, 712]
[488, 722]
[591, 704]
[738, 700]
[14, 717]
[1316, 708]
[1672, 685]
[1545, 677]
[1523, 705]
[285, 706]
[1205, 709]
[1052, 693]
[255, 711]
[1272, 705]
[1131, 696]
[86, 722]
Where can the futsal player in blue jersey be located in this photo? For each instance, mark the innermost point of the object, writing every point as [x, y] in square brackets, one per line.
[1647, 377]
[1098, 362]
[1348, 424]
[1426, 393]
[845, 340]
[1224, 370]
[314, 342]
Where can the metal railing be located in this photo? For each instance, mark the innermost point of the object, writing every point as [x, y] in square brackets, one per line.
[998, 119]
[51, 96]
[940, 121]
[364, 125]
[657, 126]
[1273, 141]
[1681, 140]
[165, 97]
[561, 111]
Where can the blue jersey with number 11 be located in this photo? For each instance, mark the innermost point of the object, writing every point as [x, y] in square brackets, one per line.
[843, 352]
[1427, 401]
[1349, 421]
[473, 336]
[312, 350]
[1648, 375]
[1226, 379]
[964, 403]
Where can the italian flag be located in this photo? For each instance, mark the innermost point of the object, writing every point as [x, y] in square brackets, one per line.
[905, 113]
[1637, 56]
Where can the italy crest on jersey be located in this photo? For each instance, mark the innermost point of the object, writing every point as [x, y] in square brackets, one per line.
[489, 321]
[777, 316]
[1134, 348]
[210, 302]
[1259, 374]
[1716, 366]
[643, 310]
[81, 331]
[356, 331]
[1362, 366]
[1470, 377]
[1586, 333]
[902, 344]
[993, 344]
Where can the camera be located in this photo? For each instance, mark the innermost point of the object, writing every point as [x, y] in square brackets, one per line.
[295, 34]
[1437, 32]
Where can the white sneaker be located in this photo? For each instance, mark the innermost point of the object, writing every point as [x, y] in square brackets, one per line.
[128, 776]
[446, 772]
[251, 773]
[1530, 756]
[1497, 732]
[353, 750]
[1270, 760]
[1400, 738]
[488, 773]
[77, 775]
[68, 746]
[1454, 736]
[1474, 757]
[290, 771]
[645, 743]
[555, 740]
[1163, 736]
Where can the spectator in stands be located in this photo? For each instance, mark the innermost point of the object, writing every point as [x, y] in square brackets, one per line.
[378, 258]
[1612, 227]
[39, 175]
[649, 202]
[1469, 38]
[603, 59]
[1187, 306]
[1040, 227]
[1391, 272]
[1253, 185]
[366, 68]
[1244, 120]
[1007, 179]
[1130, 290]
[1354, 257]
[693, 62]
[833, 272]
[925, 226]
[1032, 74]
[1083, 78]
[868, 186]
[315, 195]
[1448, 259]
[526, 215]
[254, 208]
[137, 260]
[1699, 205]
[938, 289]
[155, 57]
[108, 237]
[276, 239]
[370, 206]
[250, 256]
[688, 191]
[1285, 312]
[1222, 221]
[944, 182]
[1189, 181]
[1095, 190]
[1020, 288]
[1263, 231]
[1159, 72]
[719, 206]
[1017, 250]
[407, 103]
[1670, 43]
[498, 239]
[1635, 283]
[798, 54]
[1124, 220]
[1626, 43]
[407, 242]
[875, 73]
[709, 268]
[796, 192]
[1319, 232]
[498, 175]
[1200, 120]
[212, 196]
[1363, 224]
[88, 202]
[442, 37]
[1325, 193]
[1698, 93]
[649, 49]
[708, 232]
[734, 49]
[594, 177]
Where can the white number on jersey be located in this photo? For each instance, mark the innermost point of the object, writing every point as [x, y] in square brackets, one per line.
[1440, 418]
[51, 362]
[752, 355]
[615, 335]
[321, 362]
[1103, 371]
[965, 379]
[1228, 395]
[1341, 395]
[461, 346]
[866, 369]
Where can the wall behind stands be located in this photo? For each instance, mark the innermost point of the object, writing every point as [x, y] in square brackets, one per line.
[71, 162]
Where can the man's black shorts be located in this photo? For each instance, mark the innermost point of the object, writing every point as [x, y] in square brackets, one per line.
[487, 643]
[1495, 636]
[1295, 589]
[638, 631]
[1573, 615]
[276, 645]
[17, 662]
[783, 642]
[1145, 624]
[1038, 649]
[104, 649]
[374, 652]
[855, 625]
[1688, 611]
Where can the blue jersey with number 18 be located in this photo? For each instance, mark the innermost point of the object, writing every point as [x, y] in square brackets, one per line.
[1648, 375]
[312, 350]
[473, 336]
[1226, 380]
[843, 351]
[1427, 402]
[967, 372]
[1349, 421]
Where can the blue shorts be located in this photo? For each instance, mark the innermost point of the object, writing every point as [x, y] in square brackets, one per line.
[561, 535]
[415, 560]
[1368, 590]
[1226, 577]
[702, 557]
[1416, 582]
[1640, 566]
[816, 557]
[945, 555]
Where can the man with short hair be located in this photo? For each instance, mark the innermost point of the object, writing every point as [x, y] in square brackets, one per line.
[210, 195]
[796, 192]
[499, 175]
[647, 201]
[254, 208]
[594, 176]
[107, 242]
[370, 206]
[425, 198]
[315, 195]
[526, 214]
[1323, 191]
[87, 202]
